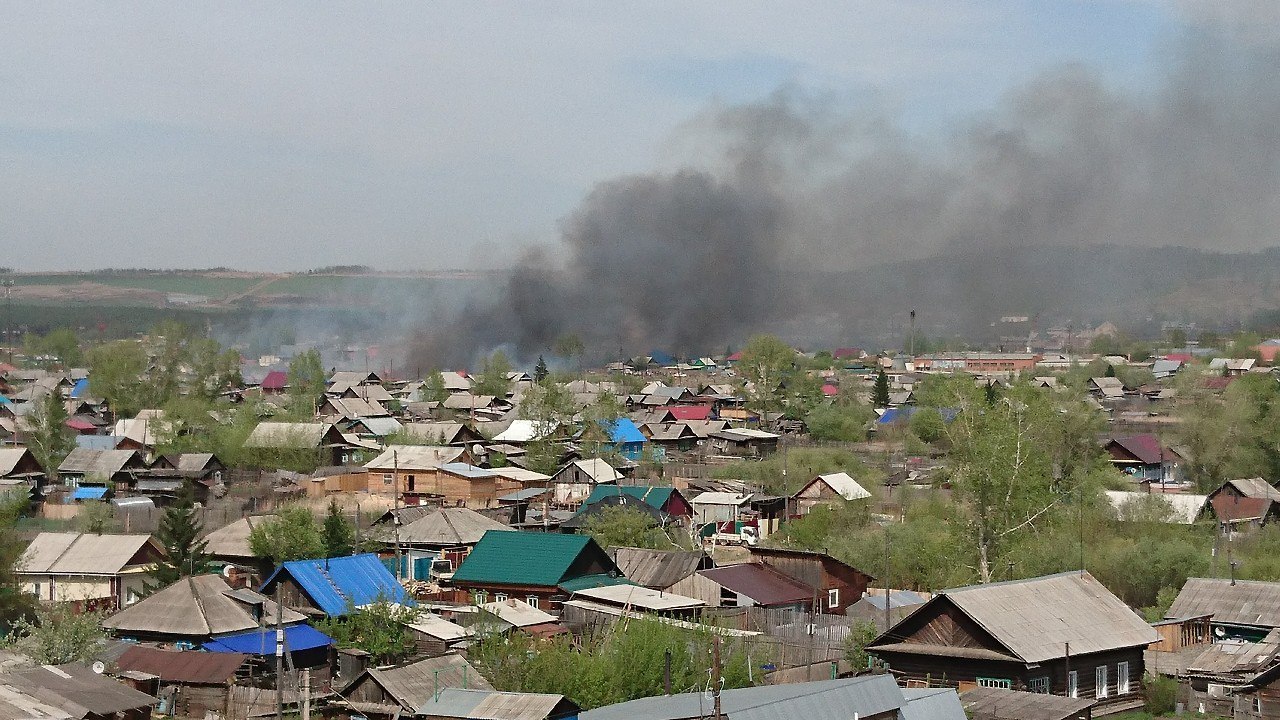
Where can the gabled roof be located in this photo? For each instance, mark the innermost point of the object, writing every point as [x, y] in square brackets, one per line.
[1247, 602]
[336, 584]
[445, 433]
[1146, 448]
[196, 606]
[1253, 488]
[414, 457]
[465, 704]
[97, 462]
[526, 558]
[450, 526]
[287, 434]
[845, 486]
[353, 408]
[10, 458]
[597, 469]
[522, 431]
[518, 613]
[83, 554]
[1035, 618]
[690, 412]
[275, 380]
[658, 568]
[233, 540]
[654, 497]
[467, 401]
[999, 704]
[413, 684]
[623, 430]
[1186, 506]
[73, 689]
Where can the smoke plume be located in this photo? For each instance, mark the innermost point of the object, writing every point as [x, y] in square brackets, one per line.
[780, 196]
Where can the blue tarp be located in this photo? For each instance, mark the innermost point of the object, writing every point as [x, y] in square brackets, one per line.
[80, 388]
[97, 442]
[904, 413]
[263, 642]
[89, 492]
[336, 584]
[623, 430]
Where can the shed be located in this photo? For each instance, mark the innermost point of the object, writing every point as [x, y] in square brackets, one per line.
[398, 691]
[69, 692]
[335, 586]
[832, 487]
[194, 682]
[986, 703]
[462, 704]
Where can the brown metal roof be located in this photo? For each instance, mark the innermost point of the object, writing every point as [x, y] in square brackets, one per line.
[761, 583]
[195, 668]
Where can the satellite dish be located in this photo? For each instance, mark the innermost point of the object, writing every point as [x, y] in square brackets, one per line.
[477, 449]
[228, 570]
[1219, 632]
[99, 667]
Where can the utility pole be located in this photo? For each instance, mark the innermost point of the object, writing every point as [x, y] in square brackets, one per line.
[715, 676]
[912, 352]
[279, 655]
[887, 560]
[395, 521]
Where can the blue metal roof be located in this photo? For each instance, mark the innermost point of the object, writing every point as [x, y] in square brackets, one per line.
[336, 584]
[89, 492]
[97, 442]
[263, 641]
[904, 413]
[623, 430]
[80, 388]
[660, 357]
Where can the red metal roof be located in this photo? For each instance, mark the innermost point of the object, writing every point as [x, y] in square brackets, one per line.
[760, 583]
[691, 412]
[202, 668]
[78, 424]
[1145, 448]
[275, 380]
[830, 390]
[735, 357]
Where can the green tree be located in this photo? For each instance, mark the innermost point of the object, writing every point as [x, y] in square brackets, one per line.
[846, 423]
[861, 633]
[433, 389]
[213, 370]
[57, 635]
[179, 535]
[61, 343]
[48, 438]
[339, 535]
[116, 375]
[880, 392]
[293, 535]
[927, 424]
[765, 362]
[96, 518]
[494, 378]
[306, 383]
[1177, 338]
[540, 371]
[378, 629]
[622, 526]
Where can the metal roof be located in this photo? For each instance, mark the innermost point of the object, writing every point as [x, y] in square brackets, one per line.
[471, 472]
[73, 689]
[655, 497]
[623, 430]
[414, 457]
[641, 598]
[262, 641]
[81, 553]
[189, 667]
[491, 705]
[414, 684]
[518, 613]
[439, 628]
[761, 583]
[822, 700]
[1035, 618]
[658, 569]
[1247, 602]
[97, 462]
[525, 558]
[1186, 506]
[845, 486]
[287, 434]
[450, 526]
[931, 704]
[522, 431]
[336, 584]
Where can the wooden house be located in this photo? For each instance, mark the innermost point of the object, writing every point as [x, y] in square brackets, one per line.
[395, 692]
[837, 585]
[543, 569]
[446, 533]
[98, 471]
[327, 440]
[1061, 634]
[1144, 458]
[411, 471]
[21, 474]
[335, 586]
[93, 572]
[191, 683]
[827, 489]
[1245, 501]
[1238, 610]
[674, 571]
[575, 481]
[195, 610]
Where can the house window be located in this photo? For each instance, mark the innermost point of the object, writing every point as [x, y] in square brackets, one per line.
[1039, 685]
[1122, 678]
[410, 480]
[482, 597]
[532, 600]
[1100, 682]
[1004, 683]
[500, 597]
[386, 479]
[345, 458]
[35, 589]
[1073, 684]
[833, 598]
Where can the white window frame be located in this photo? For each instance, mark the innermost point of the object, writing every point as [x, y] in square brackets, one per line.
[1122, 678]
[388, 478]
[482, 597]
[833, 598]
[1073, 684]
[1039, 685]
[500, 597]
[1100, 682]
[532, 601]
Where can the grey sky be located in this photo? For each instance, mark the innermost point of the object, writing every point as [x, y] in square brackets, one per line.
[438, 135]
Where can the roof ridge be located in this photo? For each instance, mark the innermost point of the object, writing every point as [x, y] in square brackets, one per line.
[195, 595]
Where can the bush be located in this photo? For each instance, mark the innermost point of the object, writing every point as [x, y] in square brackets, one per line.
[1161, 693]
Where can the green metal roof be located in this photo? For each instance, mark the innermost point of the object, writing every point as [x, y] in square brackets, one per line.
[587, 582]
[655, 497]
[524, 558]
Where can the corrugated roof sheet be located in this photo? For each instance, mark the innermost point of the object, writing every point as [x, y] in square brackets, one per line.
[845, 486]
[931, 704]
[74, 689]
[655, 497]
[518, 613]
[80, 553]
[1035, 617]
[1248, 602]
[760, 583]
[640, 597]
[414, 684]
[185, 667]
[525, 558]
[490, 705]
[623, 430]
[1000, 704]
[262, 641]
[450, 526]
[823, 700]
[287, 434]
[96, 462]
[414, 457]
[336, 584]
[658, 569]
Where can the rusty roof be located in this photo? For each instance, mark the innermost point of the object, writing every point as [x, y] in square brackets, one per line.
[189, 667]
[761, 583]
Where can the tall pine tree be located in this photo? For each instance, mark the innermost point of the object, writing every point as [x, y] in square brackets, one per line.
[339, 536]
[880, 393]
[540, 371]
[179, 534]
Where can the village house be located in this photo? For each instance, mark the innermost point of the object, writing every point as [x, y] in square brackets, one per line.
[626, 438]
[1061, 634]
[674, 571]
[327, 440]
[666, 505]
[195, 610]
[577, 480]
[230, 543]
[1144, 459]
[757, 585]
[21, 474]
[1245, 501]
[412, 471]
[92, 572]
[69, 692]
[93, 474]
[444, 433]
[543, 569]
[442, 534]
[462, 704]
[837, 584]
[434, 636]
[746, 442]
[190, 683]
[388, 693]
[827, 489]
[335, 586]
[1238, 610]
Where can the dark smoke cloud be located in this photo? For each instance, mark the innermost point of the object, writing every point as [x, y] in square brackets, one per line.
[788, 190]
